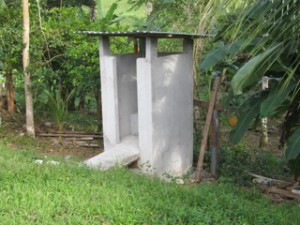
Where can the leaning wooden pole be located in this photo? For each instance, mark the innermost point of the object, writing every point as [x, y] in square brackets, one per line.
[206, 129]
[27, 81]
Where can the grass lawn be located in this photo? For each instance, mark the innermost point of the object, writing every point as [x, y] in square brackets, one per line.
[69, 194]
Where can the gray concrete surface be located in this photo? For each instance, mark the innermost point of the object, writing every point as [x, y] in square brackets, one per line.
[147, 105]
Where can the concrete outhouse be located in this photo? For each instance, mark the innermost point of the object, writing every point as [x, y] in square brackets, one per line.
[147, 104]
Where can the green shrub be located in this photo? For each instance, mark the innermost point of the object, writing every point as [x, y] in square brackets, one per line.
[237, 162]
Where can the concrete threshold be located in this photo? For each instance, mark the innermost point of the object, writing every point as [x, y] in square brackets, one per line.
[122, 154]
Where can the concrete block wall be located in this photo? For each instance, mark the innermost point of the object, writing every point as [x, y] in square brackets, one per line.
[150, 96]
[119, 94]
[127, 92]
[165, 101]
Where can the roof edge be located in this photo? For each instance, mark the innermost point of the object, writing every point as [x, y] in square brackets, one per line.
[143, 34]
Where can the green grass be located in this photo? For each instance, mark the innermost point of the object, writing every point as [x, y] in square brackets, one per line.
[15, 141]
[69, 194]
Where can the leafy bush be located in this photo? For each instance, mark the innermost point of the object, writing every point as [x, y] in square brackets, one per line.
[237, 162]
[58, 106]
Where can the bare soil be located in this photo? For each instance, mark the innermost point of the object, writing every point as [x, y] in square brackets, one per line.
[13, 135]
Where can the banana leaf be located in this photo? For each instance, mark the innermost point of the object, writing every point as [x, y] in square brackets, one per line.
[293, 148]
[252, 71]
[214, 57]
[249, 111]
[276, 97]
[218, 55]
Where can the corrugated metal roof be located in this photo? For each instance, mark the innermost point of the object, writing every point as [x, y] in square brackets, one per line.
[143, 34]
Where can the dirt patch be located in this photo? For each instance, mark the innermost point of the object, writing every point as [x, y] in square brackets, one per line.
[68, 149]
[13, 135]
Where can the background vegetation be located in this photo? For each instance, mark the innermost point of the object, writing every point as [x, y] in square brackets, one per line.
[249, 40]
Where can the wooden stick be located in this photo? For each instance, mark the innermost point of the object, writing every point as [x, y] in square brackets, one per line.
[263, 179]
[284, 193]
[88, 145]
[70, 135]
[205, 105]
[206, 129]
[73, 132]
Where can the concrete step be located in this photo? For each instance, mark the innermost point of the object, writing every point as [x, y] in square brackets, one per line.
[120, 155]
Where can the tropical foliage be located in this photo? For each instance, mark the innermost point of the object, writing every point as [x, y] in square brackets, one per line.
[58, 106]
[263, 40]
[250, 39]
[60, 57]
[10, 45]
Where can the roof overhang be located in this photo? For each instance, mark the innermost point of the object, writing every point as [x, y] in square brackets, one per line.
[144, 34]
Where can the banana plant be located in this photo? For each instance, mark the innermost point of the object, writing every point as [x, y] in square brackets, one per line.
[268, 32]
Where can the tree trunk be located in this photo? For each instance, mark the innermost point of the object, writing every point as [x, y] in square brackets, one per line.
[81, 105]
[99, 110]
[149, 8]
[93, 11]
[264, 139]
[71, 105]
[99, 9]
[10, 93]
[27, 81]
[1, 104]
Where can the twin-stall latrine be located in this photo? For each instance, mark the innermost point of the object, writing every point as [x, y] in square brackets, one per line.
[147, 104]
